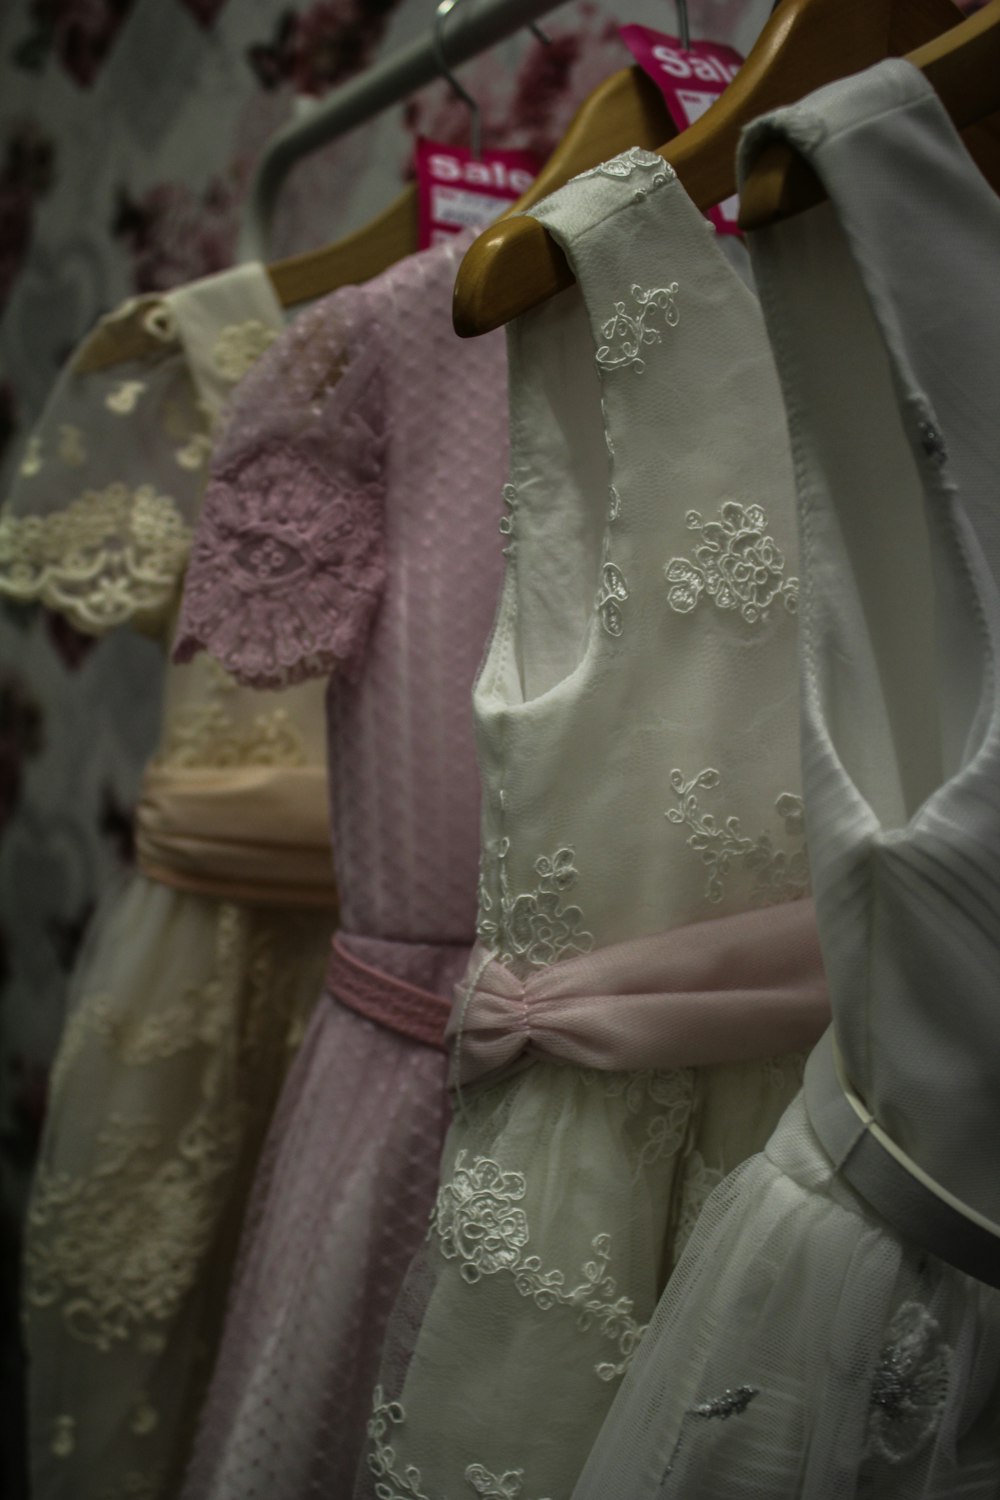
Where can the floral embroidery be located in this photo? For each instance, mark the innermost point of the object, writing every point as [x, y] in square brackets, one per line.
[737, 565]
[125, 397]
[239, 346]
[910, 1386]
[777, 874]
[391, 1484]
[109, 555]
[145, 1418]
[479, 1222]
[666, 1129]
[506, 1486]
[613, 594]
[636, 159]
[63, 1441]
[113, 1251]
[699, 1182]
[195, 452]
[625, 333]
[31, 463]
[534, 925]
[209, 735]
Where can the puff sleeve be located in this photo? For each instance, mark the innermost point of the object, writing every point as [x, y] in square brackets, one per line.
[288, 563]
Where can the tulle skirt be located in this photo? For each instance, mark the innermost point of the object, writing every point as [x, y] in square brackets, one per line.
[803, 1352]
[565, 1197]
[341, 1204]
[185, 1015]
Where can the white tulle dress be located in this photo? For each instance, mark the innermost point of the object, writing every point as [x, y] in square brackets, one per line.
[628, 1029]
[833, 1329]
[200, 970]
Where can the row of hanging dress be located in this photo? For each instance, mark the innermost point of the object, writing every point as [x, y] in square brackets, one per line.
[635, 997]
[356, 461]
[641, 832]
[201, 970]
[833, 1330]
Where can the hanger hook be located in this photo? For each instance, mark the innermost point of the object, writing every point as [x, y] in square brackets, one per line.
[444, 9]
[683, 24]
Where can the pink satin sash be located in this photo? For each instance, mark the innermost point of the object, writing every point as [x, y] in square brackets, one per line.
[731, 989]
[401, 1007]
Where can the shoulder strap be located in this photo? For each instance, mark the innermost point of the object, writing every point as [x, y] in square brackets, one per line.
[224, 323]
[923, 227]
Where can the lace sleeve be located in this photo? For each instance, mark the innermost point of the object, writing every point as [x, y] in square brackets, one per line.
[288, 561]
[99, 518]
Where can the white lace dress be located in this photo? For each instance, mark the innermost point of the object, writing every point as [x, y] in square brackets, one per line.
[833, 1330]
[643, 898]
[198, 975]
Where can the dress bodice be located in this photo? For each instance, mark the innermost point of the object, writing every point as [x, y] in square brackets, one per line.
[891, 369]
[346, 527]
[636, 715]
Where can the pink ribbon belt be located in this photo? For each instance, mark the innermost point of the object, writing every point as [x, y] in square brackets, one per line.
[401, 1007]
[730, 989]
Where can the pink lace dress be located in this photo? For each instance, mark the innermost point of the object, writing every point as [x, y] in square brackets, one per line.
[345, 524]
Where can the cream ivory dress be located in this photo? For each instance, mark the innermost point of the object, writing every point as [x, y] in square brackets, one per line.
[198, 976]
[643, 901]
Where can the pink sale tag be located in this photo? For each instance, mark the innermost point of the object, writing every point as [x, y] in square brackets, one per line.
[455, 191]
[690, 82]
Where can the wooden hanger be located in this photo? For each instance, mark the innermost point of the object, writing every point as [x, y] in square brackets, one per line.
[350, 261]
[963, 68]
[515, 265]
[357, 258]
[625, 110]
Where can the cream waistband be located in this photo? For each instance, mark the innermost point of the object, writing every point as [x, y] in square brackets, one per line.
[255, 834]
[924, 1211]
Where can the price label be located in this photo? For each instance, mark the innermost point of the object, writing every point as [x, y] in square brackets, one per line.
[690, 82]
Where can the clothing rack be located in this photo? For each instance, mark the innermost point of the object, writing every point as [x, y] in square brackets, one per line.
[474, 27]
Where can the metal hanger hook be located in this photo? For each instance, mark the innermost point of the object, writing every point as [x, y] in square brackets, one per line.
[684, 25]
[444, 9]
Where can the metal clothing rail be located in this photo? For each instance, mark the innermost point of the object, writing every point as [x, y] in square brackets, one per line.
[475, 27]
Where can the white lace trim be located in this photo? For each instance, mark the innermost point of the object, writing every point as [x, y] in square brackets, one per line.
[637, 159]
[110, 555]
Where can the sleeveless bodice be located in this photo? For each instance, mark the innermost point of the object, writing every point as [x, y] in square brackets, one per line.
[891, 368]
[636, 713]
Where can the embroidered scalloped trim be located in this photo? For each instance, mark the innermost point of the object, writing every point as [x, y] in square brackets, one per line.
[109, 556]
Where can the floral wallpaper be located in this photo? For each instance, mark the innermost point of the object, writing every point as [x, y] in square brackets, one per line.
[128, 134]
